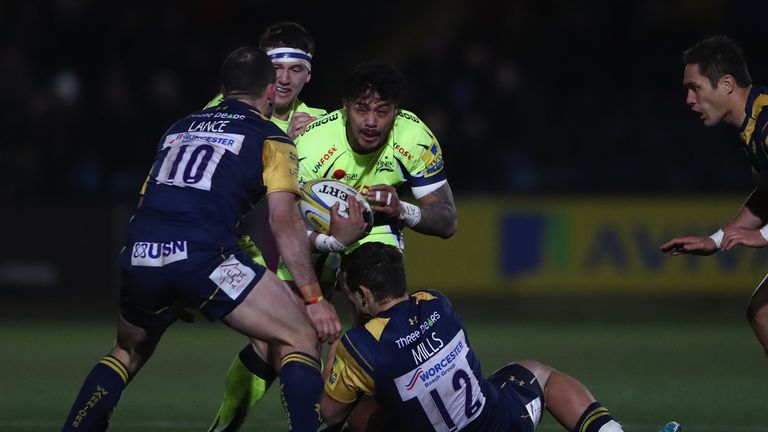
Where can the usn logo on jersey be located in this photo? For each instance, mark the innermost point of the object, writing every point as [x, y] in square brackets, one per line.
[146, 254]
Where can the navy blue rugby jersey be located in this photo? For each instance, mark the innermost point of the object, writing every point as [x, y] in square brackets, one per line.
[416, 360]
[209, 170]
[754, 131]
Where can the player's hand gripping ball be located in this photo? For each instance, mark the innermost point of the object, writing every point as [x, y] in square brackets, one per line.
[319, 195]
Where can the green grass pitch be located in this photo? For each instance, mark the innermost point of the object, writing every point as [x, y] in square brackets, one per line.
[706, 371]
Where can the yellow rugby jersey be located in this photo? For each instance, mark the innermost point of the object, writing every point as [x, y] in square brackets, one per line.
[410, 157]
[298, 106]
[754, 131]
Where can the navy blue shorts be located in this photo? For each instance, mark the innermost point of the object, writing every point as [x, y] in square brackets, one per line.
[157, 276]
[520, 396]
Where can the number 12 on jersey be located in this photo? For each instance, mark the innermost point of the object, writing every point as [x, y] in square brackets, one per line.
[445, 387]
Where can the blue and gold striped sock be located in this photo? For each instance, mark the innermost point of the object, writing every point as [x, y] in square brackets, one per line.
[594, 418]
[300, 386]
[98, 396]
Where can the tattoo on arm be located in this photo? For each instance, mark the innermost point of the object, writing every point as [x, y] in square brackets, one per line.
[438, 213]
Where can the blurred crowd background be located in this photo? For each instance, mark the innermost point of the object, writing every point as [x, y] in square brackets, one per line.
[526, 97]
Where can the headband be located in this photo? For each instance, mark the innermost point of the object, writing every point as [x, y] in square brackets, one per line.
[284, 55]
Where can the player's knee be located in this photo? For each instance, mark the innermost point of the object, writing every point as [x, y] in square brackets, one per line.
[133, 350]
[130, 358]
[306, 339]
[302, 338]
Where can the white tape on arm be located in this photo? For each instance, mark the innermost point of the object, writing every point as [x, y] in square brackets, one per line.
[718, 237]
[764, 232]
[410, 213]
[326, 243]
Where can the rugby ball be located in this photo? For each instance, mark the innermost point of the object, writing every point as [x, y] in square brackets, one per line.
[319, 195]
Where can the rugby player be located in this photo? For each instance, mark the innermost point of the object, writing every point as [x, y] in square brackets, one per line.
[414, 358]
[381, 150]
[290, 48]
[182, 248]
[376, 147]
[720, 89]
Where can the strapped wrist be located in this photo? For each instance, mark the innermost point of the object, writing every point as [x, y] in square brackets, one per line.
[717, 237]
[326, 243]
[764, 232]
[410, 214]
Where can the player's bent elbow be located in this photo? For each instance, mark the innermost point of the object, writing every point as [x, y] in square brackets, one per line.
[449, 230]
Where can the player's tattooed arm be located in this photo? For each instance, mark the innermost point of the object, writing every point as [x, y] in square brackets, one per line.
[435, 215]
[438, 213]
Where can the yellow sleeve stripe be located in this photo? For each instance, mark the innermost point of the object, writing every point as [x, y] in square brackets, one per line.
[757, 106]
[115, 365]
[281, 166]
[598, 412]
[301, 358]
[351, 378]
[144, 186]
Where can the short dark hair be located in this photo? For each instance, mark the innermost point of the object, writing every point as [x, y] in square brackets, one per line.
[368, 78]
[287, 34]
[718, 56]
[246, 71]
[377, 266]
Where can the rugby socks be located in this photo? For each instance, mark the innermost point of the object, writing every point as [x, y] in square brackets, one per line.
[597, 419]
[248, 379]
[98, 396]
[300, 387]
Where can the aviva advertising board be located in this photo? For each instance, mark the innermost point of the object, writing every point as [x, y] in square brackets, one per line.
[593, 245]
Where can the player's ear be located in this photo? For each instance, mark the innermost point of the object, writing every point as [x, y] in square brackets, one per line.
[728, 83]
[269, 92]
[366, 295]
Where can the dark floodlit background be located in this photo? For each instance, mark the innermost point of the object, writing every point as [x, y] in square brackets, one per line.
[569, 148]
[525, 96]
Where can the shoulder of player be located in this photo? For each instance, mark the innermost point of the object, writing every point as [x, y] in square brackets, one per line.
[410, 122]
[411, 133]
[755, 126]
[760, 109]
[442, 302]
[427, 295]
[264, 125]
[255, 125]
[314, 112]
[329, 123]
